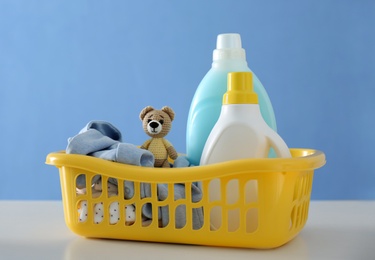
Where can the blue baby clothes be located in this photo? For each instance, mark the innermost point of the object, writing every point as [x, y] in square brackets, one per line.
[181, 162]
[103, 140]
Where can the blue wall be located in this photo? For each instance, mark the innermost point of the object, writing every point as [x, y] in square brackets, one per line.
[64, 63]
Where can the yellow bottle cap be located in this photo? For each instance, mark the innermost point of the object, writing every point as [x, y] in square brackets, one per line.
[240, 89]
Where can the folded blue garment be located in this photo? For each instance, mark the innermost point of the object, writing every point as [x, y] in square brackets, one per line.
[103, 140]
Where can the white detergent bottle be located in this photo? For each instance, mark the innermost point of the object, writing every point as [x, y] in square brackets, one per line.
[229, 56]
[240, 132]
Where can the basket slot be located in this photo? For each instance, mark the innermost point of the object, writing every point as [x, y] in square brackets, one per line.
[250, 189]
[96, 187]
[146, 207]
[99, 213]
[112, 188]
[82, 207]
[182, 222]
[233, 204]
[114, 212]
[129, 211]
[80, 184]
[233, 222]
[250, 220]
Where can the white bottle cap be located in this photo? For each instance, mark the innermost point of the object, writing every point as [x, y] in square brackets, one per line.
[229, 46]
[228, 41]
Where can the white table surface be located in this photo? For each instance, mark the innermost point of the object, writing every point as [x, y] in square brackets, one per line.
[36, 230]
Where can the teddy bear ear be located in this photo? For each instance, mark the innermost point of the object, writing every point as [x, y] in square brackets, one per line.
[145, 111]
[169, 111]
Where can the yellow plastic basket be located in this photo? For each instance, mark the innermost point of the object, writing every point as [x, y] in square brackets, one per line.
[277, 213]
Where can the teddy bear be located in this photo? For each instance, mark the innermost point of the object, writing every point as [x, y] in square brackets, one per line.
[157, 124]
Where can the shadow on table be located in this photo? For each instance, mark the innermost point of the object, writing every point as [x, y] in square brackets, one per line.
[83, 248]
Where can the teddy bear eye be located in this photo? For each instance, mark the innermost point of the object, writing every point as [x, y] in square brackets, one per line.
[148, 121]
[161, 121]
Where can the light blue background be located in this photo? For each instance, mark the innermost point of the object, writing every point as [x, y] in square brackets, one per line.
[64, 63]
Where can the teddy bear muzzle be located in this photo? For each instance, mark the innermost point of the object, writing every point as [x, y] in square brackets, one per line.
[154, 127]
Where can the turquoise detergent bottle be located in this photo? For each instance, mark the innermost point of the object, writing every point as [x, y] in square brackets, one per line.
[229, 56]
